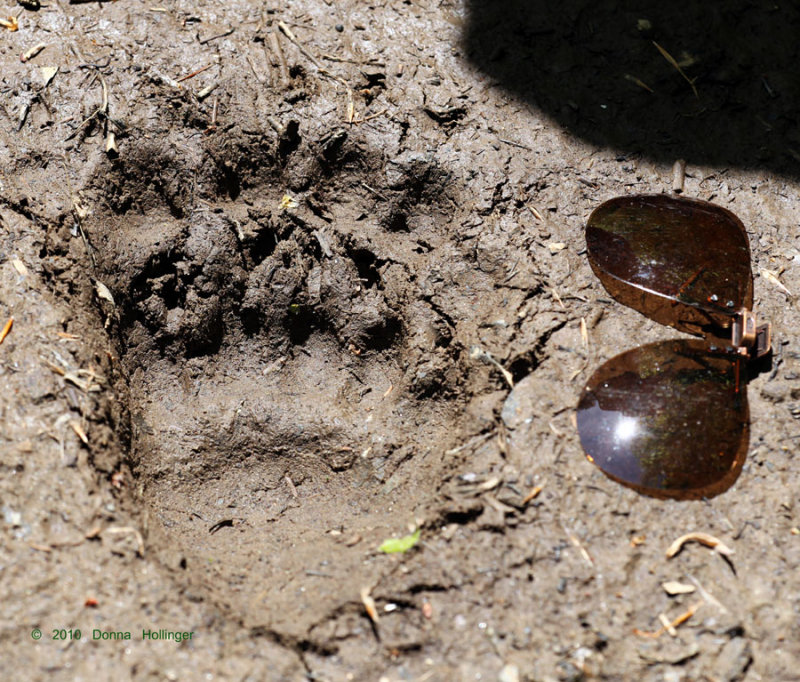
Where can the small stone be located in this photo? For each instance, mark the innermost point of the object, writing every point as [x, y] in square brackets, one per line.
[509, 673]
[339, 28]
[12, 517]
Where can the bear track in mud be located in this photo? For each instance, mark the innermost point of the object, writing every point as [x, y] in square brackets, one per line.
[276, 356]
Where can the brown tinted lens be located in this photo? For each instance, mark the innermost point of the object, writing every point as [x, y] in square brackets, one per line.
[668, 419]
[681, 262]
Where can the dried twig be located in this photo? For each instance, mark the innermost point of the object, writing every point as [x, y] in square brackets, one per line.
[637, 81]
[705, 594]
[89, 384]
[351, 114]
[30, 54]
[288, 33]
[126, 530]
[475, 440]
[670, 625]
[217, 36]
[575, 541]
[193, 73]
[6, 329]
[275, 46]
[357, 120]
[532, 495]
[78, 212]
[11, 24]
[477, 353]
[704, 539]
[78, 429]
[102, 113]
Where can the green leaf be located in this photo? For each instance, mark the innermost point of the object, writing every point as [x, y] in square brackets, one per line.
[399, 545]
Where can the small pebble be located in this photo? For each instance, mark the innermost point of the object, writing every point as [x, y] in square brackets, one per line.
[510, 673]
[339, 28]
[11, 517]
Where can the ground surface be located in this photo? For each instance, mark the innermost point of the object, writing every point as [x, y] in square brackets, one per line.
[306, 264]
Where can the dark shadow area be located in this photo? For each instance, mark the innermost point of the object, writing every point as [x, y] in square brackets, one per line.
[596, 69]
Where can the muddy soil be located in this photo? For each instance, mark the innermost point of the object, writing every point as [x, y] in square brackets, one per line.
[289, 280]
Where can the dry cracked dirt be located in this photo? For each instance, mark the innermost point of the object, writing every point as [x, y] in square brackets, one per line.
[273, 269]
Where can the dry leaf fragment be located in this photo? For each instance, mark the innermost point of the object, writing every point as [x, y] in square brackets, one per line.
[369, 605]
[48, 73]
[104, 292]
[772, 278]
[19, 266]
[575, 541]
[673, 587]
[128, 530]
[704, 539]
[206, 91]
[80, 210]
[288, 202]
[491, 483]
[427, 610]
[111, 143]
[11, 24]
[400, 545]
[78, 429]
[167, 80]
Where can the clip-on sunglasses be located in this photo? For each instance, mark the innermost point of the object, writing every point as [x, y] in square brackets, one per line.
[670, 419]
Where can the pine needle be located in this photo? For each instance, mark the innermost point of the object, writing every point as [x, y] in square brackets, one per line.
[676, 66]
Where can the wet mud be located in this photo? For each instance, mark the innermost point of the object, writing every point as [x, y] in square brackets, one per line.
[288, 281]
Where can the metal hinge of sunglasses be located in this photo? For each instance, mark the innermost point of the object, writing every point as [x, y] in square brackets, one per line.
[669, 419]
[747, 335]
